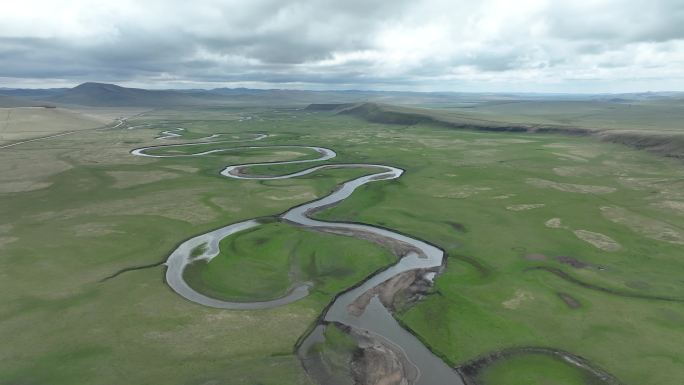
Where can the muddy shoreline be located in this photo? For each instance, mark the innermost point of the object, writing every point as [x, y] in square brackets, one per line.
[375, 359]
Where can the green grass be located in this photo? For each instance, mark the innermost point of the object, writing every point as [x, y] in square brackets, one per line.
[534, 370]
[265, 262]
[72, 225]
[470, 179]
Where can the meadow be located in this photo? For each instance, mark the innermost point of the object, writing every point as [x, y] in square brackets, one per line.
[553, 241]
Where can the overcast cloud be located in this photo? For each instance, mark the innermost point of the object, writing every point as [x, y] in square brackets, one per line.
[446, 45]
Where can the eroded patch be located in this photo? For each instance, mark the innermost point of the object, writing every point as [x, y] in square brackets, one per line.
[676, 206]
[651, 228]
[517, 299]
[641, 183]
[554, 223]
[569, 157]
[569, 187]
[461, 192]
[182, 168]
[524, 207]
[439, 143]
[304, 195]
[598, 240]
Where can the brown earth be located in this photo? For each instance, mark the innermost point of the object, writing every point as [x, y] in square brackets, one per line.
[377, 362]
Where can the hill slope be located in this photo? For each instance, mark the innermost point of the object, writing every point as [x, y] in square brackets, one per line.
[668, 143]
[110, 95]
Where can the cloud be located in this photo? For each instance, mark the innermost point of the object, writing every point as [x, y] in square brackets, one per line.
[455, 45]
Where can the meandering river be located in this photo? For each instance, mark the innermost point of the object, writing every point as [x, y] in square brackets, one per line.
[374, 318]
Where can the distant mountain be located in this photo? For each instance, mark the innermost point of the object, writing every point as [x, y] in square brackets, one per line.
[110, 95]
[31, 93]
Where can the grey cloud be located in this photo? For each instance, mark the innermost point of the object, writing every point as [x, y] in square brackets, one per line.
[340, 43]
[618, 21]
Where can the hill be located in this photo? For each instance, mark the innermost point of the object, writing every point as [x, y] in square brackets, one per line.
[110, 95]
[389, 114]
[661, 136]
[544, 105]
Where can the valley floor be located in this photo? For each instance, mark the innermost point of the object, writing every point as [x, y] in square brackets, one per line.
[554, 243]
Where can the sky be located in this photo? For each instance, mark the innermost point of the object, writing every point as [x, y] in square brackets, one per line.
[580, 46]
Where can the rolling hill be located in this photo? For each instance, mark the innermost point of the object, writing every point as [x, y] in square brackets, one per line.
[110, 95]
[661, 136]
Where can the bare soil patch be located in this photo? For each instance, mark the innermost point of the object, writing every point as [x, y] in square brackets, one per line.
[305, 195]
[569, 157]
[569, 187]
[651, 228]
[598, 240]
[524, 207]
[554, 223]
[676, 206]
[182, 168]
[377, 362]
[518, 299]
[459, 192]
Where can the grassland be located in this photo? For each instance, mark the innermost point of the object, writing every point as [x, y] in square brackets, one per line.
[22, 123]
[534, 369]
[491, 299]
[281, 256]
[651, 125]
[500, 204]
